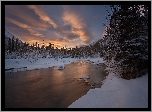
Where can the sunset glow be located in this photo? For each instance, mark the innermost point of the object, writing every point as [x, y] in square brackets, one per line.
[62, 25]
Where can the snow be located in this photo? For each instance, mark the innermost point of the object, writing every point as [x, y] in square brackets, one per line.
[116, 93]
[8, 34]
[85, 77]
[60, 67]
[31, 64]
[92, 86]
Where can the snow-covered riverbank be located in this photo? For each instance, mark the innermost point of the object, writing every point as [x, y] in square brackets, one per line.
[116, 93]
[25, 64]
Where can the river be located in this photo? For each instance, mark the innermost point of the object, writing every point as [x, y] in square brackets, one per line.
[51, 88]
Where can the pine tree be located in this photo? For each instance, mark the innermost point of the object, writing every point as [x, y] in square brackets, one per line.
[16, 44]
[13, 44]
[123, 48]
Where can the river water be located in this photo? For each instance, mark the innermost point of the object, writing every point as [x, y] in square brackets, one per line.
[51, 88]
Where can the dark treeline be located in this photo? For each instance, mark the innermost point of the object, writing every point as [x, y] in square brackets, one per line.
[16, 49]
[124, 46]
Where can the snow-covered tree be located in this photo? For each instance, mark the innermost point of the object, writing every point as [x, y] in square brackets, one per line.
[126, 42]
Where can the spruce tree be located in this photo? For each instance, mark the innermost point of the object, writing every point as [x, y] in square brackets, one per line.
[123, 48]
[13, 44]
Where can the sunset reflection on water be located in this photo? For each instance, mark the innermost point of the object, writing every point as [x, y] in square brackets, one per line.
[50, 88]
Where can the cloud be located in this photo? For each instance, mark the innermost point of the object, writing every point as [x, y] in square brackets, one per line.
[79, 27]
[42, 15]
[72, 36]
[34, 32]
[18, 23]
[32, 22]
[22, 13]
[24, 26]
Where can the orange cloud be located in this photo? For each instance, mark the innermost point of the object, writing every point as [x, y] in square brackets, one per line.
[42, 15]
[24, 26]
[18, 23]
[15, 10]
[79, 27]
[32, 39]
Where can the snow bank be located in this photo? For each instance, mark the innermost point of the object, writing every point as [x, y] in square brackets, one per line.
[116, 93]
[31, 64]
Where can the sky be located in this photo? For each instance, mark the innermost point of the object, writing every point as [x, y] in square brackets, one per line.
[63, 25]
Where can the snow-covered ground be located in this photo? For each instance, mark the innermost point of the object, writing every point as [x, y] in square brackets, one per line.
[31, 64]
[116, 93]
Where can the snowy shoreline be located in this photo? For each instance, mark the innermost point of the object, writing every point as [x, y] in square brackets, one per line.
[114, 93]
[25, 64]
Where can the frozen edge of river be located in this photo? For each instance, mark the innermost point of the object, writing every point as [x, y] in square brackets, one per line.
[116, 93]
[24, 64]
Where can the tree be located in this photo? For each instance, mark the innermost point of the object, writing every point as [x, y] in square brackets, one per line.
[13, 43]
[123, 49]
[16, 44]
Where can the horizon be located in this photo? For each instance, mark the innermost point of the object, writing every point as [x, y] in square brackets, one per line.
[63, 25]
[46, 45]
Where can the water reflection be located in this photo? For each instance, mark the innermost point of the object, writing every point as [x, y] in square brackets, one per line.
[58, 76]
[83, 68]
[50, 88]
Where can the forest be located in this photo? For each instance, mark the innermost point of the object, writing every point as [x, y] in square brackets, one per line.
[124, 47]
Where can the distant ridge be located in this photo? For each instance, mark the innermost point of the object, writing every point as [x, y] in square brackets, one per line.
[9, 35]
